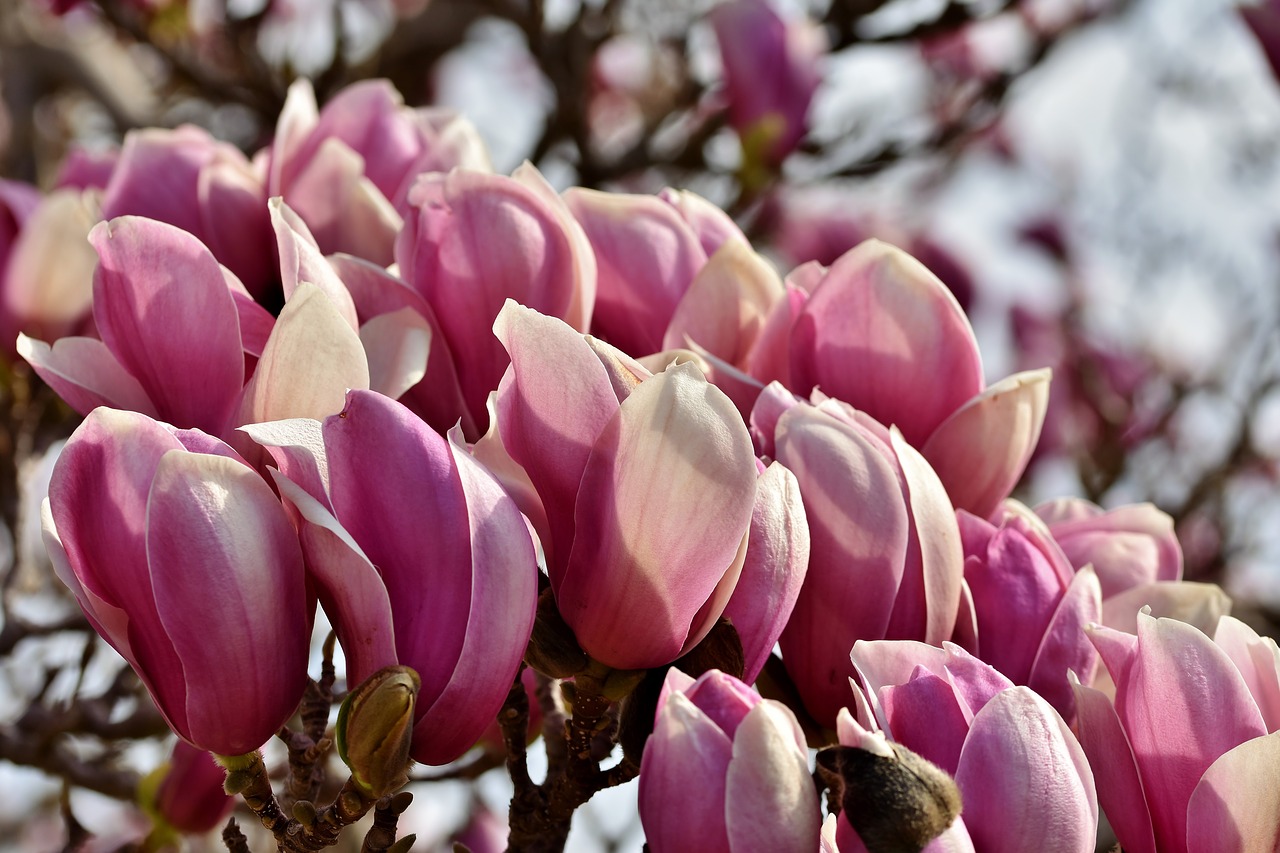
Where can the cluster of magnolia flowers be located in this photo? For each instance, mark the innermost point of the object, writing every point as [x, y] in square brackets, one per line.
[363, 370]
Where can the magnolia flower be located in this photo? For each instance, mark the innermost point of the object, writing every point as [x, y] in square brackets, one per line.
[885, 559]
[183, 560]
[1023, 778]
[880, 332]
[1189, 745]
[725, 771]
[647, 482]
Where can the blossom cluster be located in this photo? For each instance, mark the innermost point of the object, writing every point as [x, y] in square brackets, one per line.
[362, 371]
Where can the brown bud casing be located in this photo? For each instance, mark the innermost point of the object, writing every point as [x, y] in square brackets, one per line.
[897, 804]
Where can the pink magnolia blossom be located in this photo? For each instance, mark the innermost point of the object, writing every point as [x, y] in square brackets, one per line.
[473, 240]
[347, 169]
[218, 633]
[190, 797]
[725, 771]
[1127, 546]
[418, 556]
[186, 178]
[880, 332]
[648, 250]
[771, 72]
[647, 482]
[1187, 750]
[885, 558]
[1023, 777]
[1029, 606]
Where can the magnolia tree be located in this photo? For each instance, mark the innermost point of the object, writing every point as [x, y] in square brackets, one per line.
[387, 460]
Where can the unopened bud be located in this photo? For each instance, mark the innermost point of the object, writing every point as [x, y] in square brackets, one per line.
[375, 729]
[896, 800]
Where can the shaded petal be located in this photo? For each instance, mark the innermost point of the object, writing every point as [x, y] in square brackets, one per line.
[664, 504]
[646, 256]
[926, 716]
[397, 346]
[347, 584]
[297, 446]
[1065, 647]
[929, 596]
[1198, 604]
[981, 450]
[1119, 786]
[775, 567]
[859, 529]
[395, 488]
[162, 306]
[438, 398]
[504, 593]
[343, 208]
[300, 260]
[85, 374]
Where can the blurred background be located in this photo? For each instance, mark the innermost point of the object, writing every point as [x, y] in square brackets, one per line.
[1096, 180]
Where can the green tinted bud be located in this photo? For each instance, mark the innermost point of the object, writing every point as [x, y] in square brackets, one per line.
[375, 729]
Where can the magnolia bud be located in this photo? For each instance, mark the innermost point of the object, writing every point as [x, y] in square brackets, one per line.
[897, 801]
[375, 729]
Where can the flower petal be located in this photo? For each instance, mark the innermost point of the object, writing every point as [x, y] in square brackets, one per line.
[1234, 808]
[163, 308]
[1024, 779]
[770, 802]
[981, 450]
[664, 503]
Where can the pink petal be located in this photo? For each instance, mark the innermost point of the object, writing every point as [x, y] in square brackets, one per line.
[582, 305]
[300, 260]
[929, 597]
[1258, 660]
[85, 374]
[884, 335]
[858, 528]
[646, 256]
[162, 307]
[775, 567]
[343, 208]
[981, 450]
[504, 594]
[1065, 646]
[1234, 808]
[725, 308]
[1020, 777]
[234, 222]
[249, 641]
[549, 425]
[770, 801]
[685, 745]
[713, 226]
[98, 500]
[1119, 786]
[770, 357]
[1183, 704]
[347, 584]
[926, 716]
[438, 398]
[664, 505]
[297, 446]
